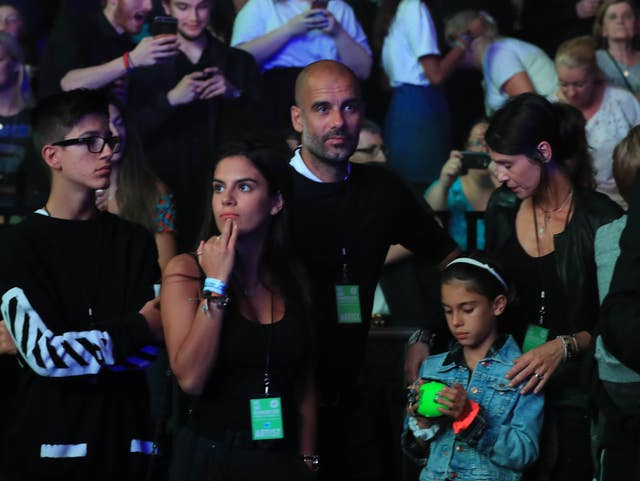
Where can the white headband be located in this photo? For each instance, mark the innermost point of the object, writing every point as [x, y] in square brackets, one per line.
[481, 265]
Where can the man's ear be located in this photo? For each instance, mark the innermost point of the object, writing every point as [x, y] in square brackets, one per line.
[50, 156]
[296, 119]
[499, 304]
[277, 203]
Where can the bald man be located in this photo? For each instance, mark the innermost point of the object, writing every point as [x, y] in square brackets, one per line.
[345, 216]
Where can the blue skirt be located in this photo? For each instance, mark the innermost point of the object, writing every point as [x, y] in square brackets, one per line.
[417, 132]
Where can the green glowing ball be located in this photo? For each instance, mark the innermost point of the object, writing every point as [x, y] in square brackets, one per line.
[427, 394]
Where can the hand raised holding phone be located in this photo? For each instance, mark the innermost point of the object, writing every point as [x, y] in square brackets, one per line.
[189, 87]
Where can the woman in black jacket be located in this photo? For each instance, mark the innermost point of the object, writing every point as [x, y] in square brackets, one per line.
[542, 223]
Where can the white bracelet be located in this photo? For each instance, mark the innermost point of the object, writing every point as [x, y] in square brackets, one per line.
[423, 434]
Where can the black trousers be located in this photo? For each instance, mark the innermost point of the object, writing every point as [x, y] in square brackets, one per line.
[196, 458]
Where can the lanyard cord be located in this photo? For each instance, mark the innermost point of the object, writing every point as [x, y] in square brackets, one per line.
[267, 374]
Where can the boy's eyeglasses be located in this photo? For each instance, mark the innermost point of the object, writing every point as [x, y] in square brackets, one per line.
[95, 144]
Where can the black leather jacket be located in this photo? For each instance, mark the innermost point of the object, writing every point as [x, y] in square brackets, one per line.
[574, 247]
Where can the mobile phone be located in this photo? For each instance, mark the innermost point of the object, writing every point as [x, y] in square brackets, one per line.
[474, 160]
[164, 24]
[319, 4]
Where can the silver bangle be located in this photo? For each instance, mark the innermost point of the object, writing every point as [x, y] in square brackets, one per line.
[423, 336]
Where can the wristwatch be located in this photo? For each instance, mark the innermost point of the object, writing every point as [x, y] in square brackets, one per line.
[423, 336]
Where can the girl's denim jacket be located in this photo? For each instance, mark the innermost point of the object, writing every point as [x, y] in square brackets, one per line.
[503, 438]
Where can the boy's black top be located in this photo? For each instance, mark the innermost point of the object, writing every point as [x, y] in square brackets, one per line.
[71, 295]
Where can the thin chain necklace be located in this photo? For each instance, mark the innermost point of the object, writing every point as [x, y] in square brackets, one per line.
[546, 218]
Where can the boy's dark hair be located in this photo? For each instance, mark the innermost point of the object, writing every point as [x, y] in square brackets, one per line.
[56, 115]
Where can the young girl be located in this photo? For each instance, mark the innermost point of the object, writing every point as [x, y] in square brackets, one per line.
[488, 430]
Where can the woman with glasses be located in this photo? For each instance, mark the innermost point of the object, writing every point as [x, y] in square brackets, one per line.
[609, 111]
[134, 192]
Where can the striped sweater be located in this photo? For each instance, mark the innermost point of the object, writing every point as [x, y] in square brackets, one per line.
[71, 292]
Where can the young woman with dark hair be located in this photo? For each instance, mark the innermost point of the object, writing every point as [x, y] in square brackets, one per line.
[236, 321]
[134, 192]
[544, 232]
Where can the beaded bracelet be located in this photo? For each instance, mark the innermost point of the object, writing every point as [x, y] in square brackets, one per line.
[570, 345]
[219, 301]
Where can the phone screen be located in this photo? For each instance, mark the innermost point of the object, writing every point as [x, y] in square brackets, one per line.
[475, 160]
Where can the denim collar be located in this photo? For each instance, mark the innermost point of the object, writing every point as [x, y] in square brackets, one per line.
[456, 356]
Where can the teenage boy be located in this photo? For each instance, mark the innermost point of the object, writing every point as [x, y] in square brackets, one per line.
[76, 288]
[188, 107]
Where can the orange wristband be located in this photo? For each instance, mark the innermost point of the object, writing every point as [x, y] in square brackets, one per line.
[127, 62]
[466, 417]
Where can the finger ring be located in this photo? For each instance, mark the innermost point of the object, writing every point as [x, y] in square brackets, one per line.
[539, 376]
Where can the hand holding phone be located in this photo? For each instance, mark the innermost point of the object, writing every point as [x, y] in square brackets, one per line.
[474, 160]
[164, 24]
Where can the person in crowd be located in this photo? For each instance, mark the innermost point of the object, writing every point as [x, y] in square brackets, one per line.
[619, 331]
[237, 323]
[509, 66]
[460, 190]
[187, 108]
[334, 202]
[542, 225]
[609, 111]
[23, 181]
[134, 193]
[12, 22]
[95, 49]
[548, 23]
[77, 299]
[370, 146]
[284, 36]
[617, 391]
[222, 17]
[417, 130]
[626, 162]
[616, 30]
[490, 428]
